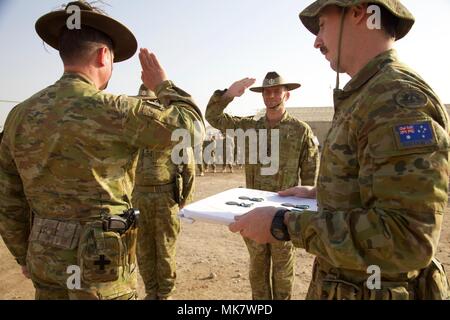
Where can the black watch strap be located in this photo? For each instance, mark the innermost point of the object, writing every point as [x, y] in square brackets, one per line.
[278, 229]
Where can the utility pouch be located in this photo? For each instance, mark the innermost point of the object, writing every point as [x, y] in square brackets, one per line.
[432, 283]
[335, 289]
[100, 255]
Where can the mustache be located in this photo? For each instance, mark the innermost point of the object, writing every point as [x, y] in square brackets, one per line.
[324, 50]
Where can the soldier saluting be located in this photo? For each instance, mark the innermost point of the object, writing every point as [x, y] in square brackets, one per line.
[69, 155]
[271, 265]
[383, 182]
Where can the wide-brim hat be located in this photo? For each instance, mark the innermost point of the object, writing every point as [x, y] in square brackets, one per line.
[50, 26]
[310, 15]
[273, 79]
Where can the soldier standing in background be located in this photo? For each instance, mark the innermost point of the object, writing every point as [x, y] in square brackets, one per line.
[229, 153]
[271, 265]
[211, 157]
[162, 189]
[198, 156]
[69, 156]
[383, 182]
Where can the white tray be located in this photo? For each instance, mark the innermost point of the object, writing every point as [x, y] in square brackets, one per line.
[215, 210]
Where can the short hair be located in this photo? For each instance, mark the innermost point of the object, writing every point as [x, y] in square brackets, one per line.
[389, 22]
[79, 44]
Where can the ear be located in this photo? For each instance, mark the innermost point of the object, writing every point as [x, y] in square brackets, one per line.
[358, 14]
[288, 95]
[102, 57]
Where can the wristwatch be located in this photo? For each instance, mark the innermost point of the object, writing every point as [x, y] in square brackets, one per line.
[278, 229]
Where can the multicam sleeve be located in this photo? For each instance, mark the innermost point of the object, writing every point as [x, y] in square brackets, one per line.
[406, 185]
[188, 175]
[222, 121]
[14, 209]
[309, 159]
[151, 125]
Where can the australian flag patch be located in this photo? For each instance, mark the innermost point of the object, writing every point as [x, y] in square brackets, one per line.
[415, 134]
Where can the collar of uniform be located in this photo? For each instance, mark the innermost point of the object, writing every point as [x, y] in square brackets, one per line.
[77, 76]
[283, 119]
[370, 70]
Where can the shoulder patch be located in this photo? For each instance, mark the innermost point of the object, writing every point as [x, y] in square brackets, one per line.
[411, 98]
[415, 134]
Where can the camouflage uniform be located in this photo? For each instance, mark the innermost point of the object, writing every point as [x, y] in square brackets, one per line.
[382, 189]
[211, 156]
[198, 156]
[69, 155]
[299, 159]
[383, 182]
[161, 189]
[229, 154]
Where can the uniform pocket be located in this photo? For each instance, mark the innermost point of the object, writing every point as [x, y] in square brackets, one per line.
[100, 255]
[388, 291]
[433, 283]
[340, 290]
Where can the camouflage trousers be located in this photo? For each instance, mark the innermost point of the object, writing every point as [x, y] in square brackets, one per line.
[329, 283]
[159, 228]
[271, 270]
[102, 267]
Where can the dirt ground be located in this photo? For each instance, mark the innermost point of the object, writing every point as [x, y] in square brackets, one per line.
[212, 262]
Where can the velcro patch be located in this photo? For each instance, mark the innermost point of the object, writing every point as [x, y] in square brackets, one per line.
[415, 134]
[411, 98]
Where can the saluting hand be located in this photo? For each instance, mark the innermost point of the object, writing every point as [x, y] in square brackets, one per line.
[238, 88]
[153, 73]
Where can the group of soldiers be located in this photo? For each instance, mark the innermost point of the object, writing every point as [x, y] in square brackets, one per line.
[76, 163]
[208, 158]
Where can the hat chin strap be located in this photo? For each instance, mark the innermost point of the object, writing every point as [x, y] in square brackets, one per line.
[341, 31]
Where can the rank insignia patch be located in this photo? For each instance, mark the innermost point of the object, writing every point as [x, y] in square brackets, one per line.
[410, 98]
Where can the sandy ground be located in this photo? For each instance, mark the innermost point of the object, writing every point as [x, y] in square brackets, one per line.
[212, 262]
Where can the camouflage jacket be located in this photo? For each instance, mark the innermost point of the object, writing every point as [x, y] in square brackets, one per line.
[383, 182]
[70, 152]
[156, 168]
[298, 151]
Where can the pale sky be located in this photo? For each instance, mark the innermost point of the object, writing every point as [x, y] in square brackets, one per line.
[207, 44]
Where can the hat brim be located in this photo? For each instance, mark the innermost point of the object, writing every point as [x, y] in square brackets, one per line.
[289, 87]
[50, 26]
[310, 15]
